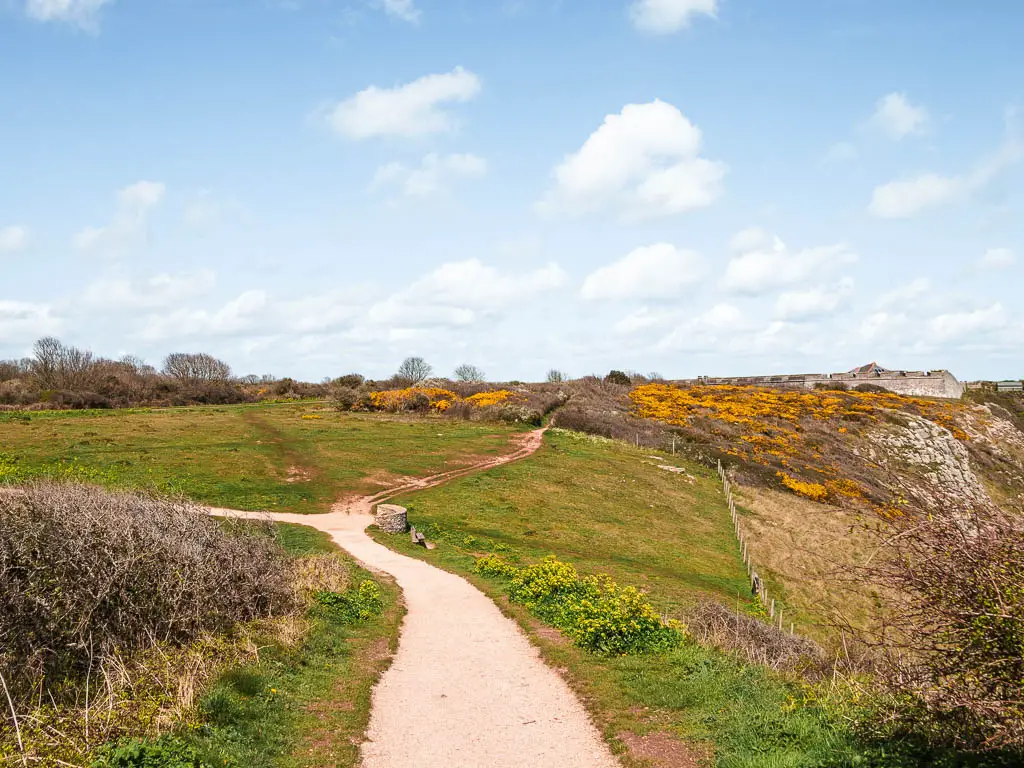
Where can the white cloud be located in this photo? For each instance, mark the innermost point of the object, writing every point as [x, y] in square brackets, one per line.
[429, 178]
[897, 118]
[413, 109]
[20, 320]
[158, 292]
[645, 319]
[994, 258]
[813, 303]
[405, 10]
[128, 227]
[13, 239]
[461, 293]
[644, 161]
[659, 271]
[840, 152]
[956, 325]
[904, 198]
[81, 13]
[762, 263]
[667, 16]
[906, 294]
[242, 314]
[705, 331]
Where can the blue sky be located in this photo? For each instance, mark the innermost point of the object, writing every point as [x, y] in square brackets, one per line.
[309, 187]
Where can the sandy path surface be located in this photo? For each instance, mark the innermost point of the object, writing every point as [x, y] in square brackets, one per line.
[466, 688]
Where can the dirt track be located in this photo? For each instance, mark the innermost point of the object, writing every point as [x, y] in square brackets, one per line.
[466, 688]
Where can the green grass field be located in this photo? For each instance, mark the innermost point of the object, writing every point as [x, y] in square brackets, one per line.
[255, 457]
[607, 507]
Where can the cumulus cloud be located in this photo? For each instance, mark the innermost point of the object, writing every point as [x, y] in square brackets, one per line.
[667, 16]
[413, 109]
[993, 258]
[13, 239]
[242, 314]
[405, 10]
[460, 294]
[897, 118]
[814, 303]
[908, 197]
[762, 263]
[956, 325]
[643, 161]
[905, 198]
[706, 330]
[24, 321]
[659, 271]
[128, 227]
[81, 13]
[157, 292]
[429, 179]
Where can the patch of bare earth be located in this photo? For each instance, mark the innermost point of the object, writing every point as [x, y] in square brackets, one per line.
[296, 475]
[663, 750]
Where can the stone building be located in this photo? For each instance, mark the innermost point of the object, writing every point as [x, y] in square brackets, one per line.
[939, 383]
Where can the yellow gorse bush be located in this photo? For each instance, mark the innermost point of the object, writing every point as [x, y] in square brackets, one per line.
[439, 400]
[485, 399]
[772, 422]
[400, 399]
[595, 612]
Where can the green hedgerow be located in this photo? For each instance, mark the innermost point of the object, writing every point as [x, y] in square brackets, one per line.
[595, 612]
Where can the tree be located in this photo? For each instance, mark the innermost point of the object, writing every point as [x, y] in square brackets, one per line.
[469, 373]
[618, 377]
[556, 376]
[414, 370]
[193, 367]
[58, 366]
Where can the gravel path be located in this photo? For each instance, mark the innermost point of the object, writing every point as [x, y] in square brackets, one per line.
[466, 688]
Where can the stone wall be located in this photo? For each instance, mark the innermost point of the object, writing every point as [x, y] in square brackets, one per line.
[912, 383]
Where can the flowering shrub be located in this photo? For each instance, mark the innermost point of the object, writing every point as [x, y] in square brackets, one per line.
[813, 491]
[769, 426]
[405, 399]
[311, 416]
[485, 399]
[356, 604]
[437, 399]
[595, 612]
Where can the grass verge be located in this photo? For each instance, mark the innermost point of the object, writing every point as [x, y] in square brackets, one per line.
[300, 704]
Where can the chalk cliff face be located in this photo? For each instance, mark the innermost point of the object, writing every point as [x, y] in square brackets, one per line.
[924, 461]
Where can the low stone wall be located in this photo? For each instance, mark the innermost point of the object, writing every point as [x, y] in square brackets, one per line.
[911, 383]
[392, 518]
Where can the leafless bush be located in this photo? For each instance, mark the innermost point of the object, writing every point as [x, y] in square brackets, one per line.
[86, 573]
[413, 370]
[952, 629]
[58, 366]
[469, 373]
[194, 367]
[711, 623]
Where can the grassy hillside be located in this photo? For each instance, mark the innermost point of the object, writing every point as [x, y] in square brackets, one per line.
[608, 507]
[288, 458]
[604, 506]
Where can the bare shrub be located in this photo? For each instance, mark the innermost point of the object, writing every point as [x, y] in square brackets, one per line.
[195, 367]
[711, 623]
[414, 370]
[469, 373]
[949, 647]
[86, 573]
[58, 366]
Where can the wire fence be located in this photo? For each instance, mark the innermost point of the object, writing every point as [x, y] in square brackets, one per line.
[757, 585]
